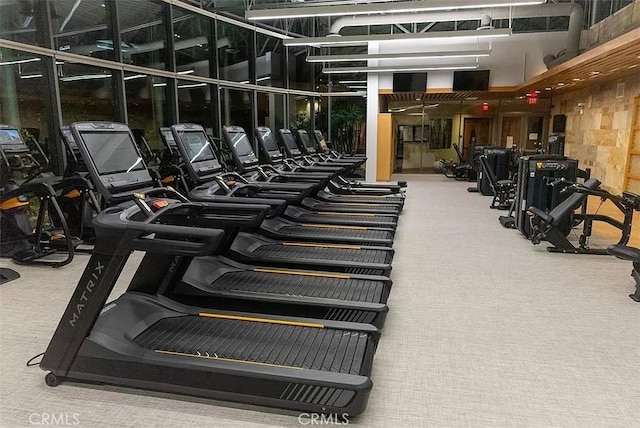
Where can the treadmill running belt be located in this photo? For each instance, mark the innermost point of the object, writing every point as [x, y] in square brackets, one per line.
[324, 253]
[303, 347]
[311, 231]
[359, 199]
[302, 285]
[328, 206]
[371, 218]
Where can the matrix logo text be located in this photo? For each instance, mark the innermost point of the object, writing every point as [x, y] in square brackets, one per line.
[88, 290]
[323, 419]
[54, 419]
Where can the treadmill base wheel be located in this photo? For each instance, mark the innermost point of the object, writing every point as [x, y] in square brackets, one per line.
[52, 380]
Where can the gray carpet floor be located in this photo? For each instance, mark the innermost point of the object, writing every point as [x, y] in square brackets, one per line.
[484, 329]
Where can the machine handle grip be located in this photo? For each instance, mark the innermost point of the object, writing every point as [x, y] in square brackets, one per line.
[178, 240]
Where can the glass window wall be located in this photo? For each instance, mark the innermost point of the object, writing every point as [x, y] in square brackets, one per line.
[82, 28]
[147, 105]
[234, 51]
[24, 100]
[86, 92]
[143, 33]
[192, 33]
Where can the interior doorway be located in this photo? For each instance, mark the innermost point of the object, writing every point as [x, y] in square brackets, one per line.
[511, 131]
[479, 129]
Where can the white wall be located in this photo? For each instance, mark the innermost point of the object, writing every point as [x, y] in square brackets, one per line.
[513, 59]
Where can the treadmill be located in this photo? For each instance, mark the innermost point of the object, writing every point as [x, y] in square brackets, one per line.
[107, 143]
[293, 152]
[270, 151]
[333, 211]
[355, 215]
[328, 153]
[147, 341]
[216, 281]
[200, 161]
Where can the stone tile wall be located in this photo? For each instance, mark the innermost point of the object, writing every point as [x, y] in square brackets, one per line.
[598, 128]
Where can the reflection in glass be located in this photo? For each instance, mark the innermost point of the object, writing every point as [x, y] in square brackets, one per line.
[142, 32]
[235, 105]
[82, 28]
[270, 54]
[271, 110]
[24, 100]
[147, 106]
[17, 22]
[191, 37]
[194, 103]
[299, 70]
[234, 46]
[86, 93]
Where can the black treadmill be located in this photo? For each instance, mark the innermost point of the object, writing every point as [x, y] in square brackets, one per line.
[144, 340]
[270, 151]
[208, 168]
[108, 145]
[200, 161]
[218, 282]
[294, 153]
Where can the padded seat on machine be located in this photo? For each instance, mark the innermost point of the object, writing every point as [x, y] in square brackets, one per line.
[566, 207]
[502, 189]
[625, 253]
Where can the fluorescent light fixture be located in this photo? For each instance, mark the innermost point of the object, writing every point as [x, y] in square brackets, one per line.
[390, 7]
[186, 71]
[191, 85]
[159, 85]
[20, 61]
[345, 94]
[399, 56]
[84, 77]
[30, 76]
[349, 82]
[395, 68]
[363, 40]
[262, 79]
[135, 76]
[357, 87]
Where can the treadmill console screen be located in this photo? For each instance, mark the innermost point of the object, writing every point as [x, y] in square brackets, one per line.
[197, 146]
[269, 141]
[112, 152]
[10, 137]
[240, 144]
[289, 141]
[307, 141]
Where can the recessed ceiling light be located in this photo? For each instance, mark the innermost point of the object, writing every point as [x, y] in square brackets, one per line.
[537, 92]
[575, 79]
[547, 89]
[471, 98]
[595, 72]
[560, 84]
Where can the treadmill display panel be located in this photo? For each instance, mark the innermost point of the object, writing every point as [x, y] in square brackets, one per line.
[198, 146]
[10, 137]
[289, 141]
[269, 141]
[240, 144]
[112, 152]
